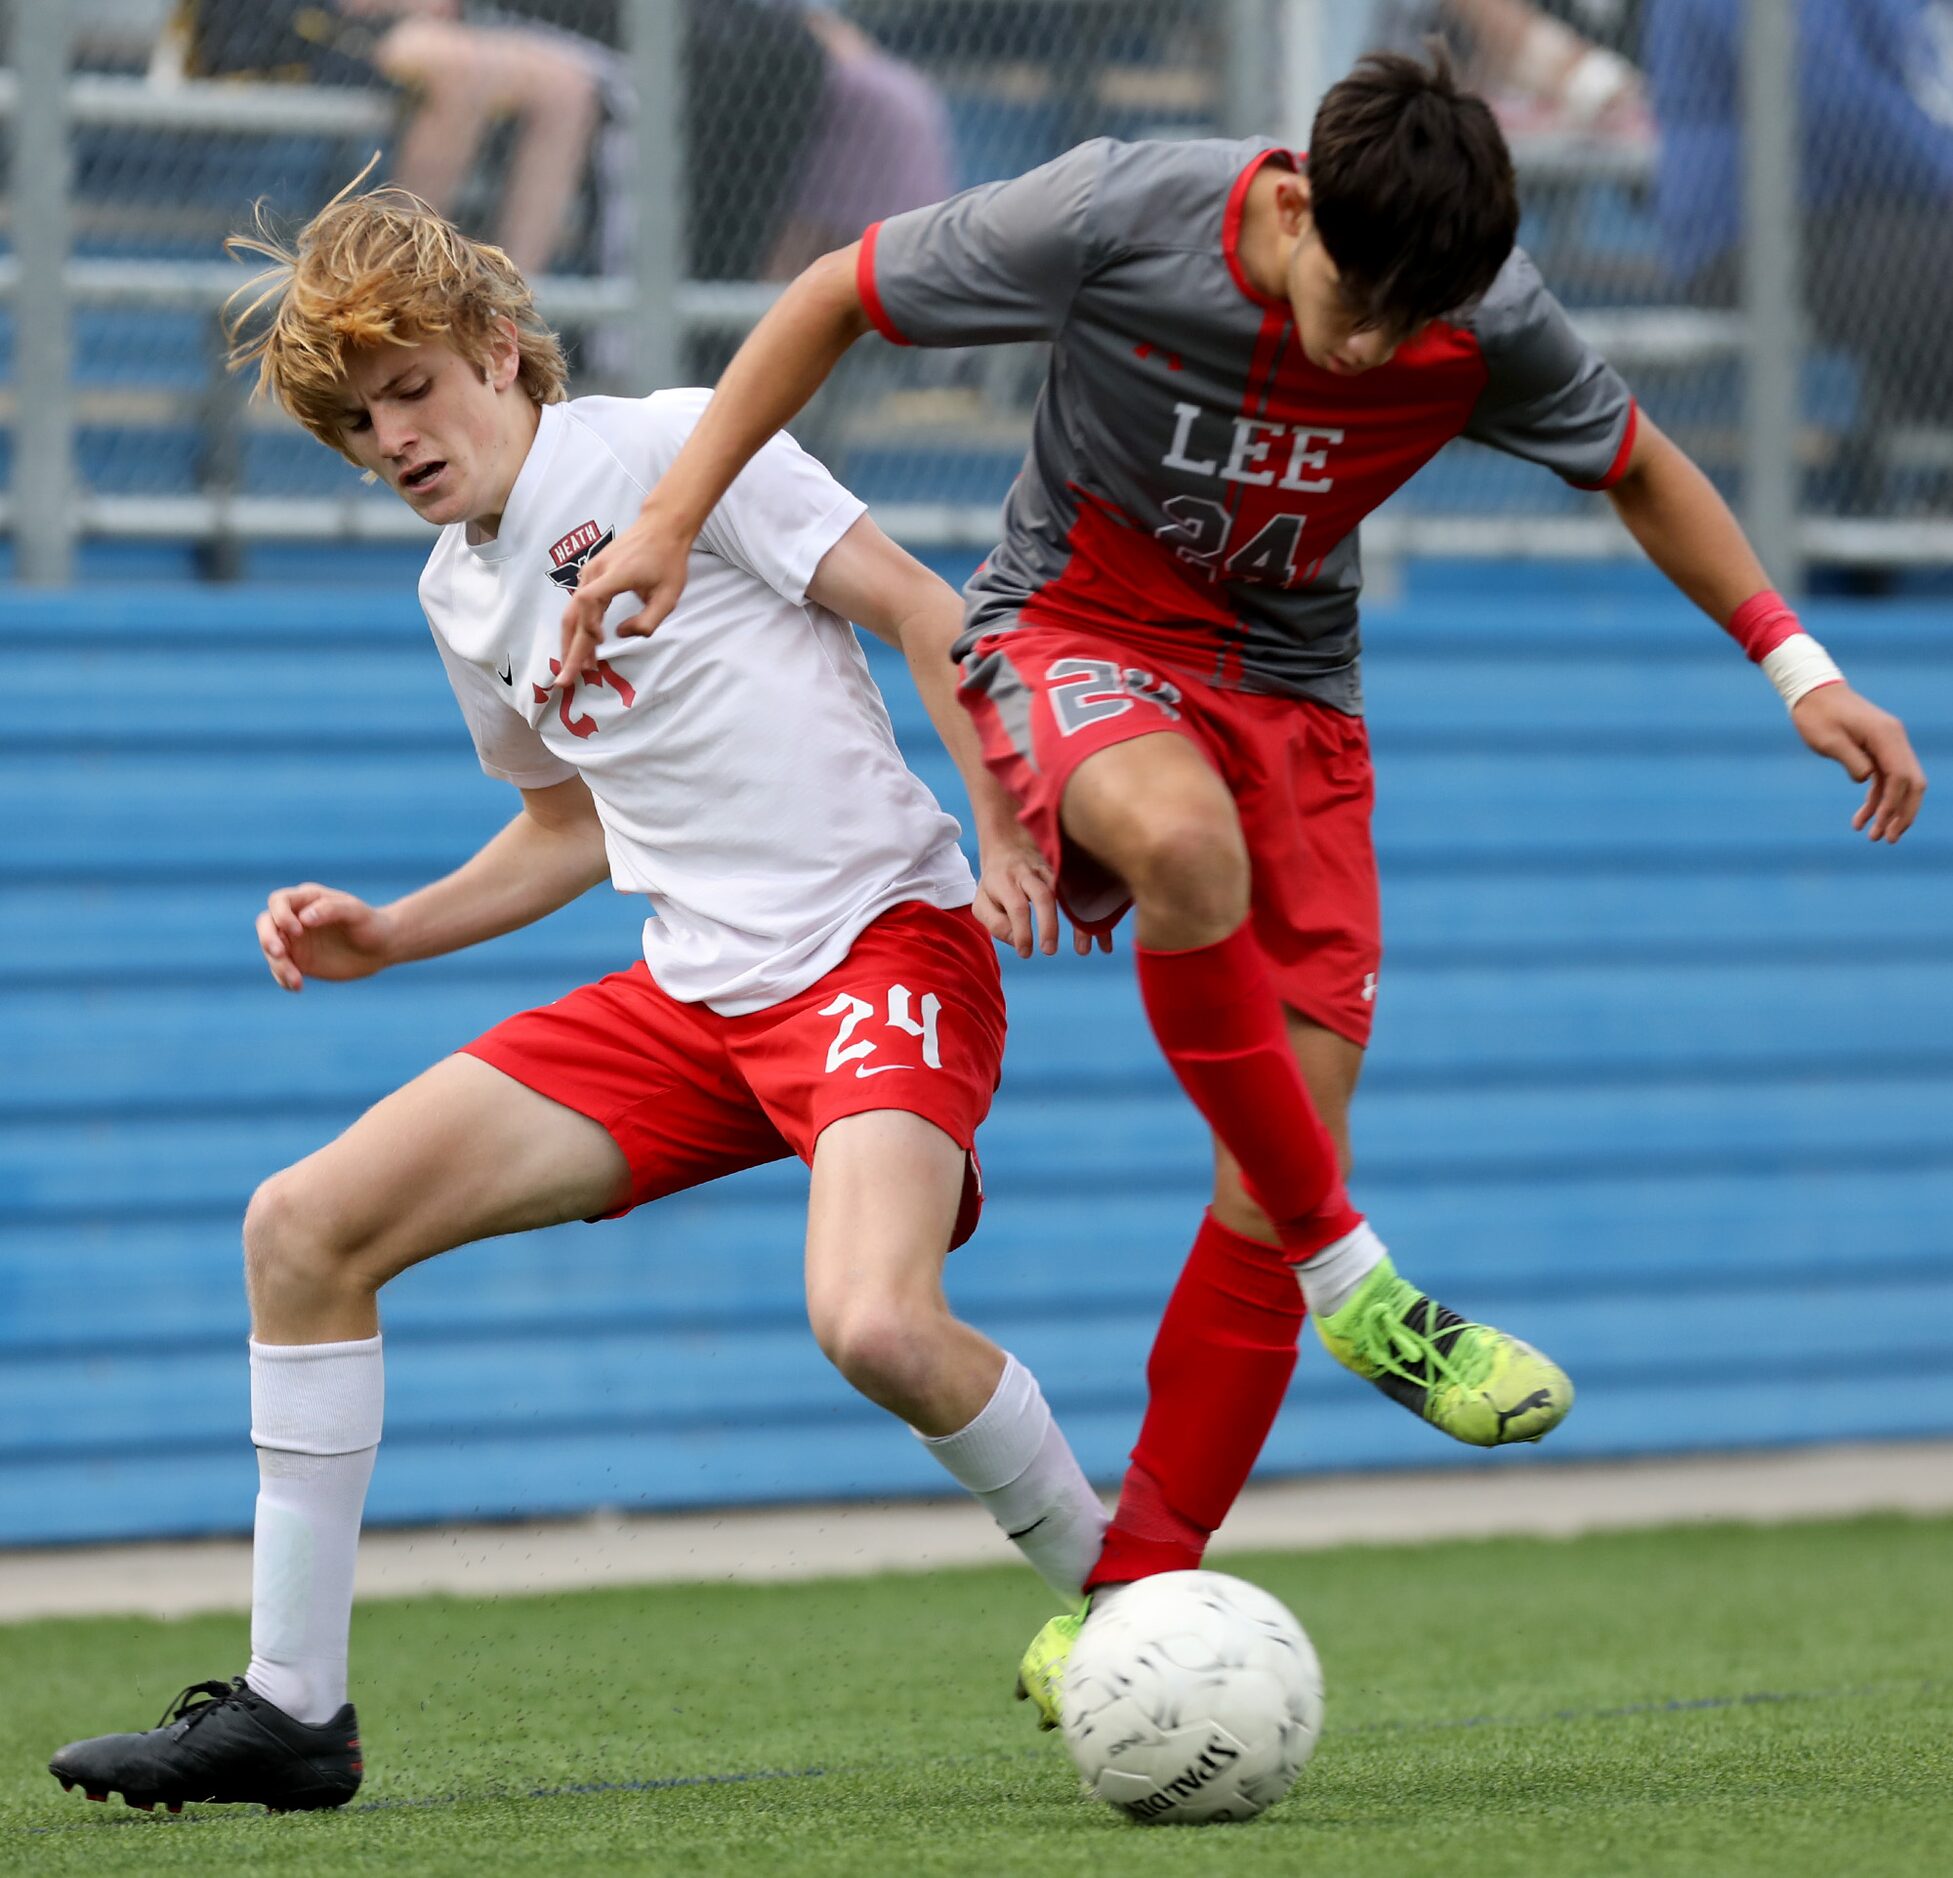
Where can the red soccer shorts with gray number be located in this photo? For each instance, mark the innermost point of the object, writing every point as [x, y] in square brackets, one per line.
[1045, 698]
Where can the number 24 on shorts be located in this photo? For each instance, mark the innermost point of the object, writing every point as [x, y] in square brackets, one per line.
[1085, 691]
[854, 1012]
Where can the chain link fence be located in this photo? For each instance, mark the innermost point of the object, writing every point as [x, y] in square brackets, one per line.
[659, 166]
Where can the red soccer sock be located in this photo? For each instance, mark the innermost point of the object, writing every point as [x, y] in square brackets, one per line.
[1220, 1024]
[1219, 1370]
[1146, 1536]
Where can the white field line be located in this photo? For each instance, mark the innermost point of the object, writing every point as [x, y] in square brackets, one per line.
[781, 1543]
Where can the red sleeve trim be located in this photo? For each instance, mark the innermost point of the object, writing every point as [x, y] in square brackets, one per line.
[1237, 202]
[1618, 468]
[871, 298]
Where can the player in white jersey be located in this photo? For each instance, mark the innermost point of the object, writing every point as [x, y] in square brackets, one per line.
[818, 979]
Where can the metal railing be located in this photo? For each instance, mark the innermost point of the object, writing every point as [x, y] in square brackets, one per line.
[658, 309]
[46, 513]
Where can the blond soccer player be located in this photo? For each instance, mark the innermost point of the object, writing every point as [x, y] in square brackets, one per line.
[820, 979]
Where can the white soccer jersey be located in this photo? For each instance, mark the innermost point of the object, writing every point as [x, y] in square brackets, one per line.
[741, 758]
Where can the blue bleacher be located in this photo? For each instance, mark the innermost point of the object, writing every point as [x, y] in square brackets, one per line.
[1663, 1076]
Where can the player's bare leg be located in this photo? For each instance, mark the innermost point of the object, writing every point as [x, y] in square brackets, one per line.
[886, 1188]
[1155, 812]
[880, 1210]
[461, 1153]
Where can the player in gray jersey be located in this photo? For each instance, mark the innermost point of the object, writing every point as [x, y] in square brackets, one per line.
[1250, 350]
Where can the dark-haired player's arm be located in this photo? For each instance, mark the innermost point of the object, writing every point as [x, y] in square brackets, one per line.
[1551, 398]
[542, 860]
[1672, 509]
[885, 590]
[784, 361]
[998, 262]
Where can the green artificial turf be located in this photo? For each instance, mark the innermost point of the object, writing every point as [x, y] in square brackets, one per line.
[1707, 1701]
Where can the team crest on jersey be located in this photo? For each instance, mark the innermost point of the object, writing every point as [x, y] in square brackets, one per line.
[568, 556]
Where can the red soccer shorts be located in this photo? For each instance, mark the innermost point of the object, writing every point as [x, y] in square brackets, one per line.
[1045, 698]
[912, 1018]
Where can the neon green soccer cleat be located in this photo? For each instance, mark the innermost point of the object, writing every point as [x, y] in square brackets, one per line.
[1041, 1675]
[1476, 1383]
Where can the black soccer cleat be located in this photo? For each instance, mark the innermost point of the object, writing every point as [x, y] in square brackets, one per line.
[224, 1742]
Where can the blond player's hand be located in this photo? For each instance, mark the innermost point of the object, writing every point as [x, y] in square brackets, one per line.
[1014, 896]
[310, 931]
[648, 559]
[1017, 902]
[1872, 746]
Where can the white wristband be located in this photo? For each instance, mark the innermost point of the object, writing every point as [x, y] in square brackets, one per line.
[1798, 667]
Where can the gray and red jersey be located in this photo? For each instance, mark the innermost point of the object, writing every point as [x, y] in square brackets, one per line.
[1194, 484]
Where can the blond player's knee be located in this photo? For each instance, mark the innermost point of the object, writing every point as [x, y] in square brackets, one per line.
[885, 1345]
[298, 1247]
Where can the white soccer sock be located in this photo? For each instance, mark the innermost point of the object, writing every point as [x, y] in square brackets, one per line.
[315, 1421]
[1330, 1278]
[1014, 1458]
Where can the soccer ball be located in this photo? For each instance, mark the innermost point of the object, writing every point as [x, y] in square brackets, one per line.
[1191, 1697]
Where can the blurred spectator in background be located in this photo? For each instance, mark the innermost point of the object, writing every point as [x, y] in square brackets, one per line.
[1540, 70]
[879, 143]
[463, 76]
[845, 135]
[750, 92]
[1875, 180]
[799, 130]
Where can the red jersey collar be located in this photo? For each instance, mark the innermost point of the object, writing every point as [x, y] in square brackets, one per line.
[1237, 202]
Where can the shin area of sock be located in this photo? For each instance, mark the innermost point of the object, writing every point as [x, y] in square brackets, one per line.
[1014, 1459]
[1146, 1536]
[1216, 1378]
[1219, 1370]
[1216, 1017]
[316, 1415]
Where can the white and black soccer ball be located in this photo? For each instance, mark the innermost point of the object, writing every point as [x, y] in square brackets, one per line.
[1191, 1697]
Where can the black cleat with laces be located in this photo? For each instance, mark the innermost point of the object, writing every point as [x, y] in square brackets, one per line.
[221, 1741]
